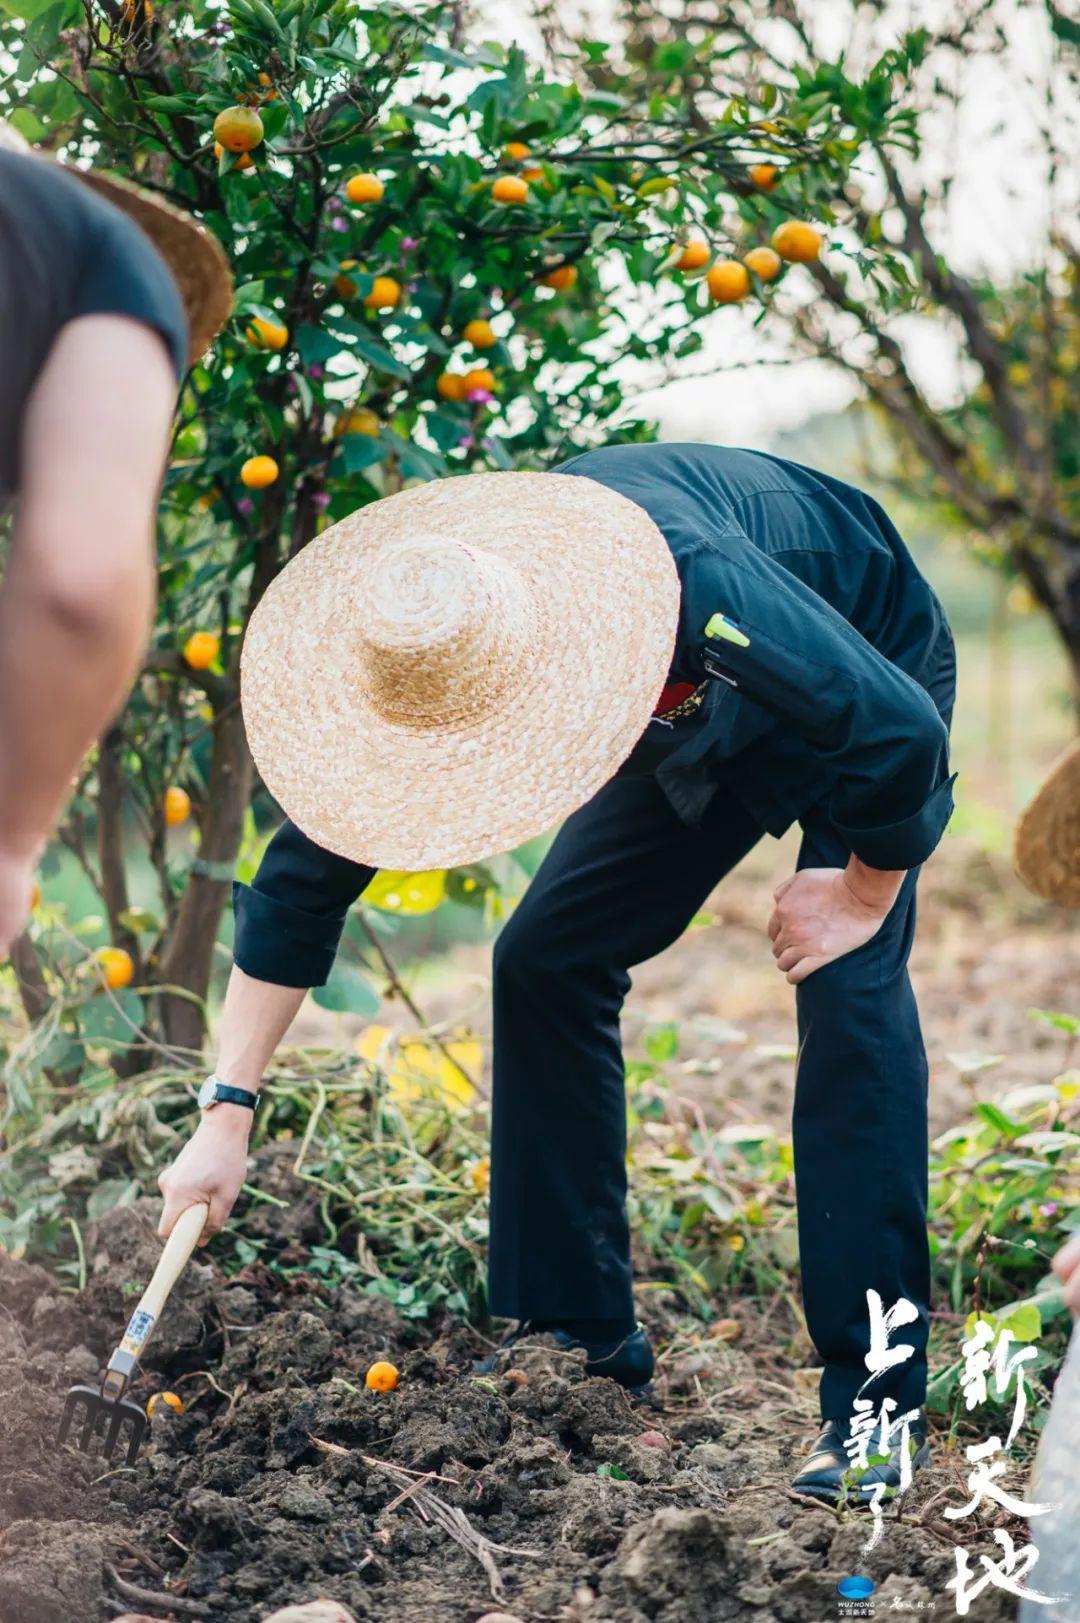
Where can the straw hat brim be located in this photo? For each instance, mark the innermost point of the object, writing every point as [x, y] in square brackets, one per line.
[1047, 843]
[193, 254]
[605, 595]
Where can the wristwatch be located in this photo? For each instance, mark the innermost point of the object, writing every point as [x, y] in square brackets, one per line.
[214, 1093]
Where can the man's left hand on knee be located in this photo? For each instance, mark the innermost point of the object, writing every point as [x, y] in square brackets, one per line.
[824, 913]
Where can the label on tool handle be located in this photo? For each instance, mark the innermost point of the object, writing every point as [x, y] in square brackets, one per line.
[139, 1327]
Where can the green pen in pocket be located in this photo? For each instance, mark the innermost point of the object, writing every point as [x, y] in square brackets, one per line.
[720, 626]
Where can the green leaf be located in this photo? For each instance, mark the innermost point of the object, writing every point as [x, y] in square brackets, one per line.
[1068, 1023]
[315, 345]
[139, 921]
[995, 1117]
[28, 124]
[615, 1472]
[113, 1192]
[27, 9]
[102, 1021]
[1025, 1321]
[662, 1042]
[360, 451]
[653, 188]
[168, 104]
[275, 116]
[378, 356]
[347, 991]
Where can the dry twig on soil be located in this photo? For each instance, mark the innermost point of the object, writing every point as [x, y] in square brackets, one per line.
[416, 1493]
[152, 1597]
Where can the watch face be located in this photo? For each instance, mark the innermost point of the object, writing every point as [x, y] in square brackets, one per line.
[206, 1093]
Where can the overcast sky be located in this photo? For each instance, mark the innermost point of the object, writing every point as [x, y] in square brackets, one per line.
[997, 217]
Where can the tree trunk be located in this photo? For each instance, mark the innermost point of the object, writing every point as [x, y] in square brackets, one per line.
[110, 841]
[188, 956]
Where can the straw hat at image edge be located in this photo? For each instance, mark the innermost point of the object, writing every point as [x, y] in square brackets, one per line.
[1047, 844]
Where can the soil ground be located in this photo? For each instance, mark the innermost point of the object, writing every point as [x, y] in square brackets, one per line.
[285, 1479]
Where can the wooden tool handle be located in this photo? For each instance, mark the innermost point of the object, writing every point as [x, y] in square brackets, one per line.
[174, 1258]
[178, 1248]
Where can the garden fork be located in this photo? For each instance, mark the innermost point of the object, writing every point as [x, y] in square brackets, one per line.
[106, 1408]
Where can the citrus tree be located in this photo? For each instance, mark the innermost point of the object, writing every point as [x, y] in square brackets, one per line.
[445, 259]
[1001, 457]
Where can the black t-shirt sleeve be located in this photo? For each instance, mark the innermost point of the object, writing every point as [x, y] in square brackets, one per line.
[124, 275]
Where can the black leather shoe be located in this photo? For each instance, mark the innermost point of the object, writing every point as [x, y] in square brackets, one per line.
[629, 1361]
[829, 1474]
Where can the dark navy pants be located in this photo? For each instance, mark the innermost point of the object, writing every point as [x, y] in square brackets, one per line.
[622, 881]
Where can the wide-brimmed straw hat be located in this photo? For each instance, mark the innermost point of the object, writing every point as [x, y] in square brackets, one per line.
[1047, 844]
[454, 669]
[195, 257]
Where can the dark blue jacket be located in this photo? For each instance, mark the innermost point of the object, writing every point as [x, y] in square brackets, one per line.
[827, 703]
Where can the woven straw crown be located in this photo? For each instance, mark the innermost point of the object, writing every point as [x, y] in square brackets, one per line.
[456, 668]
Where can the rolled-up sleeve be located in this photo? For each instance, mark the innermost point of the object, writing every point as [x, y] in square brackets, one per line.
[290, 918]
[878, 731]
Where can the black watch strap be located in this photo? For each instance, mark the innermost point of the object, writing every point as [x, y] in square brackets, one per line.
[225, 1095]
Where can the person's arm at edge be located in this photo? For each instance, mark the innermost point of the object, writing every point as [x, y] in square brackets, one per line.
[77, 597]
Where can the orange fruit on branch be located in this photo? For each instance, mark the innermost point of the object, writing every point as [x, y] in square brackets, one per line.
[797, 241]
[244, 160]
[481, 377]
[364, 189]
[176, 805]
[515, 151]
[258, 472]
[267, 334]
[765, 176]
[695, 254]
[561, 278]
[201, 650]
[343, 284]
[117, 967]
[765, 263]
[384, 295]
[358, 420]
[728, 281]
[381, 1377]
[238, 129]
[480, 334]
[451, 385]
[510, 189]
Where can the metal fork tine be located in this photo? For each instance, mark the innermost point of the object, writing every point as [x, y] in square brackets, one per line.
[113, 1436]
[92, 1416]
[138, 1428]
[66, 1418]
